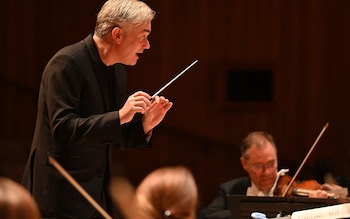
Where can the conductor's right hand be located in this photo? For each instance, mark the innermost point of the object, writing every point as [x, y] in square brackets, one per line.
[136, 103]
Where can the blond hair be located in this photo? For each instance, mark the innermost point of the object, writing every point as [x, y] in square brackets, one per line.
[16, 202]
[167, 192]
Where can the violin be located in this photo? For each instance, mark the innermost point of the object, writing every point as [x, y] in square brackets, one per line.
[296, 189]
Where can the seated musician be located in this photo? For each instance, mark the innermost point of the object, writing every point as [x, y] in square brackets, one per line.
[259, 160]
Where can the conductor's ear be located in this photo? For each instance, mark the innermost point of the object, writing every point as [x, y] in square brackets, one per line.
[117, 33]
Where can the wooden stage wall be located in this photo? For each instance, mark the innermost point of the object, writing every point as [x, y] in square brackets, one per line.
[303, 44]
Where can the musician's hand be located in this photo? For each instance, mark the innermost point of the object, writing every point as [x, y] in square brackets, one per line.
[138, 102]
[338, 191]
[155, 113]
[318, 194]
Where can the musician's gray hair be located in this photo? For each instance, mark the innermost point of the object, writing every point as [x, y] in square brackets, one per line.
[256, 139]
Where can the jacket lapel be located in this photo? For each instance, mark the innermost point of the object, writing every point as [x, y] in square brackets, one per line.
[98, 67]
[102, 80]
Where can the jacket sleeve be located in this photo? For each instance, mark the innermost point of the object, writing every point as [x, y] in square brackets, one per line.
[134, 135]
[63, 82]
[218, 208]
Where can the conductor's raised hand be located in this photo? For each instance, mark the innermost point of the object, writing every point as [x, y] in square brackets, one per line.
[138, 102]
[155, 113]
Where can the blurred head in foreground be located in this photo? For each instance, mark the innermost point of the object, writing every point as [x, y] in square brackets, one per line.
[16, 202]
[168, 192]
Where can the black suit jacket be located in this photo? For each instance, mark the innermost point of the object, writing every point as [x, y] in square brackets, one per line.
[219, 208]
[77, 121]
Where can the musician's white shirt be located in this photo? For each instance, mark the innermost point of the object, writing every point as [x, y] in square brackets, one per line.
[254, 191]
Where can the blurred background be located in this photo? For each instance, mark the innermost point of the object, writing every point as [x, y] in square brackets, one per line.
[271, 65]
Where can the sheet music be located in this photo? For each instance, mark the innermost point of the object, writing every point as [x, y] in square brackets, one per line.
[284, 217]
[328, 212]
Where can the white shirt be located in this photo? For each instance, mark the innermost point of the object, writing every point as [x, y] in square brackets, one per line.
[254, 191]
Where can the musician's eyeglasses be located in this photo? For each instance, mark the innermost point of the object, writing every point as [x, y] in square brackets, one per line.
[267, 166]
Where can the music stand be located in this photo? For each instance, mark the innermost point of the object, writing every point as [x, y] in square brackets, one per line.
[242, 206]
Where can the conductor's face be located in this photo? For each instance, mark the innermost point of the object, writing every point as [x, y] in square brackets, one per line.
[261, 166]
[133, 43]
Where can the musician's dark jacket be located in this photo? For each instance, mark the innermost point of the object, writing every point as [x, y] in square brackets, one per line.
[77, 122]
[219, 208]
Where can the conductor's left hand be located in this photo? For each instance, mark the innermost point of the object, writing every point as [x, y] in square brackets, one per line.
[155, 113]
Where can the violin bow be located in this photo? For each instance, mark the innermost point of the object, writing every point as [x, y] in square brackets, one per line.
[80, 189]
[306, 157]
